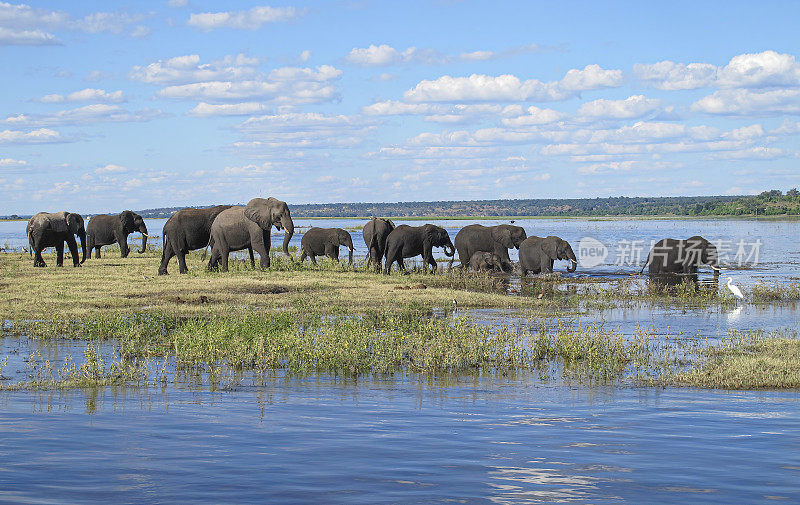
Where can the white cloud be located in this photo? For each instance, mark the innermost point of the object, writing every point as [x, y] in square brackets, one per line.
[535, 116]
[383, 55]
[754, 153]
[111, 168]
[185, 69]
[478, 55]
[204, 109]
[85, 95]
[40, 136]
[287, 85]
[177, 3]
[252, 19]
[140, 31]
[86, 115]
[745, 102]
[633, 107]
[17, 37]
[10, 162]
[758, 70]
[509, 88]
[305, 55]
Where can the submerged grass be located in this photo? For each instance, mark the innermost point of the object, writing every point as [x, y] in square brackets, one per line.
[748, 360]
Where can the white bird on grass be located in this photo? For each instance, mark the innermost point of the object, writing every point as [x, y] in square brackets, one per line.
[735, 289]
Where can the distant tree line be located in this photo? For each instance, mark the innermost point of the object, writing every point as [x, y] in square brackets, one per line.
[768, 203]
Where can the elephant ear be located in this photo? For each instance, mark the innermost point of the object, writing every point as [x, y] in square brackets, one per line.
[58, 222]
[550, 247]
[126, 218]
[503, 236]
[74, 222]
[258, 211]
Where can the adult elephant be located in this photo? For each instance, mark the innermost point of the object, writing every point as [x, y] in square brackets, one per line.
[409, 241]
[537, 254]
[239, 228]
[187, 230]
[495, 239]
[105, 229]
[325, 241]
[52, 230]
[678, 256]
[375, 233]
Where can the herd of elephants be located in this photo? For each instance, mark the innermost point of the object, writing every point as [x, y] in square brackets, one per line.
[229, 228]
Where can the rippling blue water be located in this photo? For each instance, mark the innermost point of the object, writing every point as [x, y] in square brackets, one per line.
[476, 440]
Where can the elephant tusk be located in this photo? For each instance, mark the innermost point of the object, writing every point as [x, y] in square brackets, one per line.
[572, 260]
[716, 269]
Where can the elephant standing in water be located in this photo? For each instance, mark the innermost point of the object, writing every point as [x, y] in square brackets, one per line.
[187, 230]
[537, 254]
[677, 256]
[319, 241]
[105, 229]
[495, 239]
[375, 233]
[239, 228]
[409, 241]
[483, 261]
[52, 230]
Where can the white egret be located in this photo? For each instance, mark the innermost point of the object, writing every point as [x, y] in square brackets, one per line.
[735, 289]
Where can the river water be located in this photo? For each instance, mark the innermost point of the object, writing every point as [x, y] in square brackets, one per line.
[521, 438]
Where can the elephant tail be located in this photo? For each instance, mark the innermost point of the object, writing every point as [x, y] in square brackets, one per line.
[30, 242]
[205, 250]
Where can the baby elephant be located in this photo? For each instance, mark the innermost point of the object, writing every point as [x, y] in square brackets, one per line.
[482, 261]
[325, 241]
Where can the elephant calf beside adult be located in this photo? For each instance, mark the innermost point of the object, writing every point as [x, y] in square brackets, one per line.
[483, 261]
[375, 233]
[537, 254]
[52, 230]
[325, 241]
[187, 230]
[671, 256]
[106, 229]
[409, 241]
[495, 239]
[239, 228]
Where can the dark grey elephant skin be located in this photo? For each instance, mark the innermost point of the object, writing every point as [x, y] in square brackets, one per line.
[325, 241]
[409, 241]
[187, 230]
[238, 228]
[106, 229]
[496, 239]
[483, 261]
[375, 233]
[677, 256]
[52, 230]
[537, 254]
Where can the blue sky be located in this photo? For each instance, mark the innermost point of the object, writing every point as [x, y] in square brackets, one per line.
[108, 106]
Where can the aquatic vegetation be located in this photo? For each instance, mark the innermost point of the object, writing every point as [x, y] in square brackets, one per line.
[775, 292]
[748, 360]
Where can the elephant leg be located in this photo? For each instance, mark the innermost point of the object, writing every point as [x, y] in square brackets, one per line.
[122, 240]
[544, 265]
[313, 258]
[166, 255]
[332, 252]
[182, 268]
[60, 254]
[73, 251]
[253, 258]
[223, 257]
[38, 261]
[260, 242]
[96, 252]
[303, 254]
[432, 263]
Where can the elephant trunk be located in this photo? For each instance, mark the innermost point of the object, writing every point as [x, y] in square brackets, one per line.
[143, 231]
[452, 252]
[573, 261]
[82, 236]
[288, 227]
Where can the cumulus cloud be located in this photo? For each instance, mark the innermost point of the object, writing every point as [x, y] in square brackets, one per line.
[81, 116]
[509, 88]
[534, 116]
[40, 136]
[21, 24]
[252, 19]
[287, 85]
[633, 107]
[110, 168]
[204, 109]
[754, 153]
[85, 95]
[758, 70]
[10, 162]
[746, 102]
[384, 55]
[184, 69]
